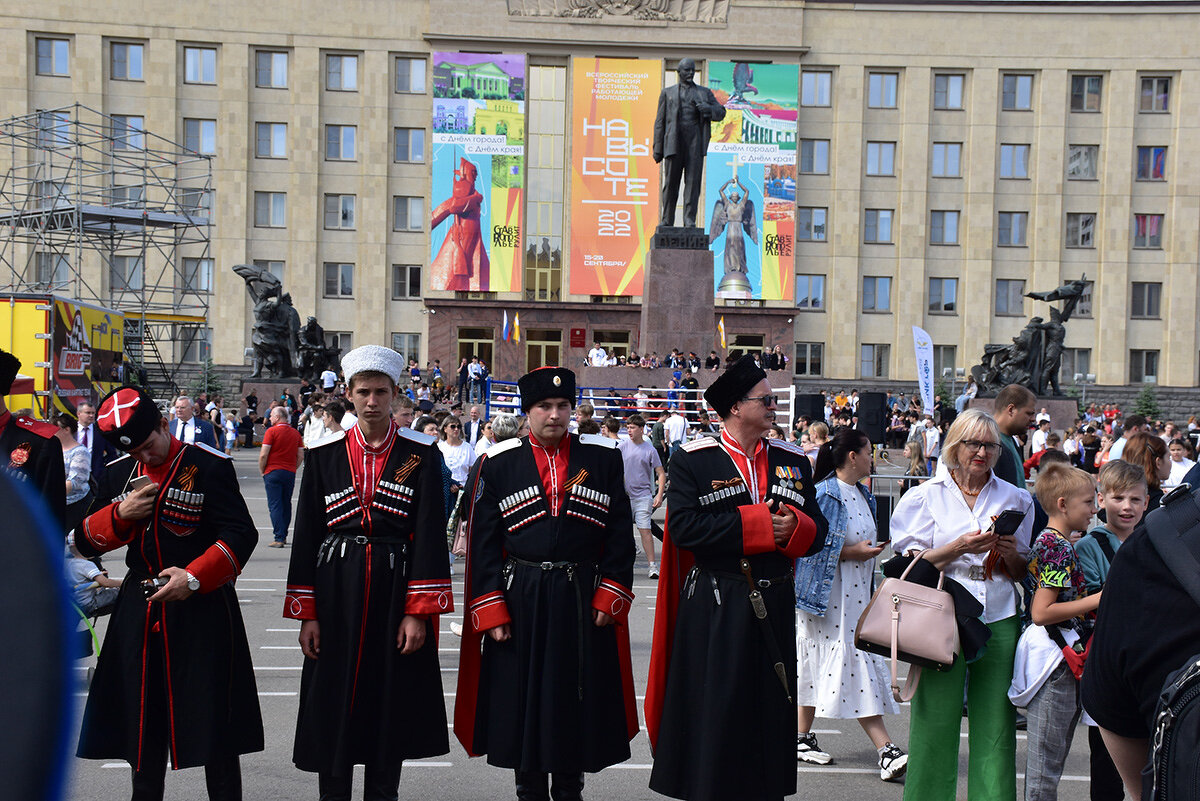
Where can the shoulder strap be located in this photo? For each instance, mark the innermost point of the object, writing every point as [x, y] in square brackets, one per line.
[1101, 538]
[1171, 542]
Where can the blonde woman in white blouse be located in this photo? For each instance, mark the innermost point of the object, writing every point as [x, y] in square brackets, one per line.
[950, 517]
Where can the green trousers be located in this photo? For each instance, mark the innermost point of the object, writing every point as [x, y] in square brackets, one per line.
[992, 737]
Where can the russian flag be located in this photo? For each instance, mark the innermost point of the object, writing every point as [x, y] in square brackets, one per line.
[504, 327]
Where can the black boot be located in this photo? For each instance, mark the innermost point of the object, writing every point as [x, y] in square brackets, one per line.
[381, 782]
[224, 779]
[531, 786]
[567, 787]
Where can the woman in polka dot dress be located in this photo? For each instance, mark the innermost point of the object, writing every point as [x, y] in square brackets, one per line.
[833, 587]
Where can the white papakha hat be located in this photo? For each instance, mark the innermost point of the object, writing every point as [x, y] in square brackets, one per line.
[372, 358]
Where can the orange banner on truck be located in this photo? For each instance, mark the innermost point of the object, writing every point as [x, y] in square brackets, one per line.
[614, 180]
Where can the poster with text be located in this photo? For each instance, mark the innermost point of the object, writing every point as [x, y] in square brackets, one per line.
[614, 180]
[750, 180]
[478, 158]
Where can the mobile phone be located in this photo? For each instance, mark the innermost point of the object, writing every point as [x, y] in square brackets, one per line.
[137, 482]
[153, 585]
[1008, 522]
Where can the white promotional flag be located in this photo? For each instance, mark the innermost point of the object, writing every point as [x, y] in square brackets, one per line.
[924, 348]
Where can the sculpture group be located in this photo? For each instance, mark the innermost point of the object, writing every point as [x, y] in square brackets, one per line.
[282, 347]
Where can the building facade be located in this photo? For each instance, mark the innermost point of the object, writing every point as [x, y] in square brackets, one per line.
[949, 159]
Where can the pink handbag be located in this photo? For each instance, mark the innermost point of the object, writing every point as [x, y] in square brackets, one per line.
[909, 622]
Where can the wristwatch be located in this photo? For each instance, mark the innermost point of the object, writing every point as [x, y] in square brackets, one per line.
[193, 583]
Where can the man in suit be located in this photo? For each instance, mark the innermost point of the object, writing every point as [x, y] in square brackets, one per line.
[473, 428]
[101, 450]
[681, 133]
[186, 427]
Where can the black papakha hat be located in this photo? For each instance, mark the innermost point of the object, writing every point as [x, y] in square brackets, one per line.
[9, 365]
[127, 417]
[546, 382]
[733, 384]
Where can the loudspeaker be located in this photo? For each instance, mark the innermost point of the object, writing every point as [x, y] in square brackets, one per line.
[811, 405]
[872, 416]
[949, 415]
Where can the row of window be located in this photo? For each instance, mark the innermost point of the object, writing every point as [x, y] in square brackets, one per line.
[1083, 161]
[339, 211]
[127, 63]
[1016, 91]
[1012, 228]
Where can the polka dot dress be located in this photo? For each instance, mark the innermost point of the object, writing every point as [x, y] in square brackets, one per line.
[834, 676]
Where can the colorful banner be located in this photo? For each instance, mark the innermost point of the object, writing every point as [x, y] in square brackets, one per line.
[750, 180]
[478, 172]
[614, 180]
[923, 345]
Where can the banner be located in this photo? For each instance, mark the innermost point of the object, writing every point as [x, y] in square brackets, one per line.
[750, 180]
[923, 344]
[614, 180]
[478, 159]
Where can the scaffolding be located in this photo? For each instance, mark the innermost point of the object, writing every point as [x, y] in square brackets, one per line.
[95, 207]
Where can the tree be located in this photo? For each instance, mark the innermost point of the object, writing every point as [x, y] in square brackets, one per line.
[1146, 403]
[207, 381]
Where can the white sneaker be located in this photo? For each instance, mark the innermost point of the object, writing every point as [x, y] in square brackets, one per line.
[456, 628]
[653, 571]
[807, 750]
[892, 763]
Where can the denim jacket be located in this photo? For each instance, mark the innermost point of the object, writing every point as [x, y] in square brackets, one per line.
[814, 574]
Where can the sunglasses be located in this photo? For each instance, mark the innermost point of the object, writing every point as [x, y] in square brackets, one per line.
[767, 400]
[455, 426]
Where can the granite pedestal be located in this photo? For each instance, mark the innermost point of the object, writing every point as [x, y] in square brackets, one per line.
[677, 293]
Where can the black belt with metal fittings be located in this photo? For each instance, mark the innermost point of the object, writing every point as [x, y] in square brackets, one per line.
[329, 548]
[570, 568]
[760, 613]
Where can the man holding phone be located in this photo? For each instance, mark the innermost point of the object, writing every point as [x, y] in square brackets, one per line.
[175, 676]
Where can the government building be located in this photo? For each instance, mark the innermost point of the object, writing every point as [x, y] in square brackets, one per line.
[936, 161]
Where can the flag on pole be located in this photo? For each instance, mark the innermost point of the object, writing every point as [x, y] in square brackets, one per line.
[721, 331]
[516, 328]
[504, 328]
[923, 345]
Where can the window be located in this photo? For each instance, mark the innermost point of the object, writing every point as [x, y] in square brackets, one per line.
[54, 129]
[947, 159]
[407, 345]
[197, 276]
[1081, 230]
[1085, 92]
[270, 140]
[873, 360]
[881, 158]
[943, 357]
[408, 213]
[128, 196]
[948, 92]
[52, 271]
[1082, 161]
[943, 228]
[1075, 361]
[339, 340]
[200, 136]
[810, 292]
[197, 344]
[814, 156]
[274, 267]
[546, 147]
[126, 61]
[125, 274]
[808, 358]
[877, 293]
[199, 65]
[543, 347]
[339, 142]
[615, 343]
[341, 73]
[877, 226]
[1143, 366]
[53, 57]
[943, 295]
[1147, 300]
[1084, 309]
[1156, 95]
[815, 88]
[1014, 161]
[270, 69]
[270, 209]
[339, 211]
[410, 75]
[1010, 297]
[410, 145]
[1011, 228]
[1147, 231]
[1017, 93]
[740, 344]
[810, 224]
[477, 342]
[406, 281]
[881, 89]
[1152, 164]
[196, 201]
[339, 280]
[128, 132]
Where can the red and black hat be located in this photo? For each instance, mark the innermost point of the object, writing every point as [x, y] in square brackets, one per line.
[9, 365]
[127, 416]
[546, 382]
[733, 384]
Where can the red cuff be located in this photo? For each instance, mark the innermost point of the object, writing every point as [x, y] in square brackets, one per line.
[802, 535]
[613, 599]
[105, 530]
[429, 597]
[758, 535]
[489, 611]
[300, 603]
[215, 567]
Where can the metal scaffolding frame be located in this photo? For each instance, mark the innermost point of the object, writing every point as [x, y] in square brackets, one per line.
[95, 207]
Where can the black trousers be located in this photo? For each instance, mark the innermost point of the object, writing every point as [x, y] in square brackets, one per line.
[1106, 781]
[687, 163]
[381, 783]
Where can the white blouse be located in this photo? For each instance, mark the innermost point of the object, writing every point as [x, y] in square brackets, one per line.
[936, 513]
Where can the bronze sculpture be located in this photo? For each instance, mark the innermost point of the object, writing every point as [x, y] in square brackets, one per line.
[734, 215]
[681, 133]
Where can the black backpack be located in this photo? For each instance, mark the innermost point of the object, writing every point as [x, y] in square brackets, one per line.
[1174, 773]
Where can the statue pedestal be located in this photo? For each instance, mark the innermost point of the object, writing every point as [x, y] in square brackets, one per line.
[267, 390]
[677, 294]
[1062, 411]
